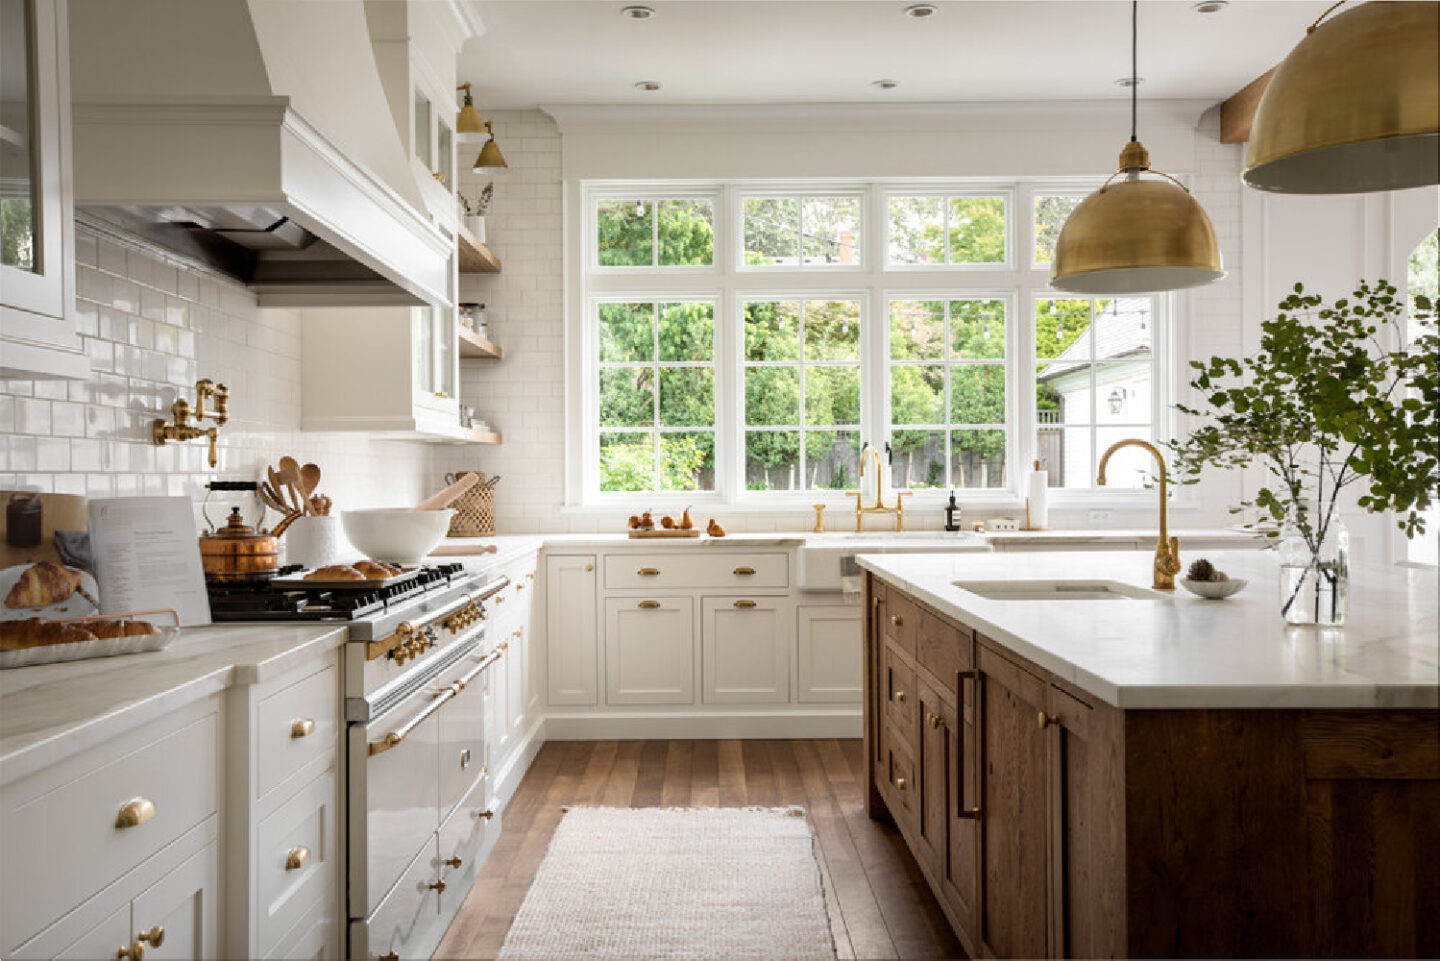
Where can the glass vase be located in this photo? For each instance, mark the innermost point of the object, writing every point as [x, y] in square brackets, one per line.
[1314, 584]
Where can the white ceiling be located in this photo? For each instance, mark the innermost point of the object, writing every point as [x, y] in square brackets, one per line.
[789, 51]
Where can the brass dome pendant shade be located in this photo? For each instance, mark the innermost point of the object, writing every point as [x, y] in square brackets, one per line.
[1355, 107]
[1136, 236]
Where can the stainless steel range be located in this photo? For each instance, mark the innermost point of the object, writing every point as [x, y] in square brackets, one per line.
[415, 691]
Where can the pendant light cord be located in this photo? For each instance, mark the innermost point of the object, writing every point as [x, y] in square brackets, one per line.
[1134, 64]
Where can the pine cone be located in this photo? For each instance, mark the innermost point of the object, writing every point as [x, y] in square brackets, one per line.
[1201, 570]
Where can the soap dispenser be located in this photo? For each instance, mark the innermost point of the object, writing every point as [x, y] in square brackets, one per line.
[952, 514]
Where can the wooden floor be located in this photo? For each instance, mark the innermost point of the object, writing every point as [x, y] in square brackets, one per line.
[880, 906]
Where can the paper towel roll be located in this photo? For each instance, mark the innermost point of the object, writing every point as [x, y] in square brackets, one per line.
[1037, 483]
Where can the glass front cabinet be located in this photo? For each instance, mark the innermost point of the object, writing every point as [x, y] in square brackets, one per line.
[37, 269]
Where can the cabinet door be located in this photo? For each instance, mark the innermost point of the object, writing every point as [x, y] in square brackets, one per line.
[829, 655]
[183, 904]
[650, 650]
[745, 650]
[1014, 815]
[936, 756]
[515, 660]
[571, 641]
[961, 881]
[102, 941]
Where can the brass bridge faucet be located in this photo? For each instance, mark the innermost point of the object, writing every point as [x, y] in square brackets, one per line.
[1167, 551]
[182, 429]
[898, 508]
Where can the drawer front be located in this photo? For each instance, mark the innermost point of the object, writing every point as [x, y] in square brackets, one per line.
[312, 939]
[462, 730]
[463, 841]
[943, 648]
[900, 696]
[295, 860]
[64, 845]
[296, 726]
[900, 778]
[899, 622]
[407, 924]
[726, 571]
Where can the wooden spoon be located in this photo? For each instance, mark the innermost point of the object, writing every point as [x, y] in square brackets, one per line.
[442, 500]
[290, 476]
[309, 480]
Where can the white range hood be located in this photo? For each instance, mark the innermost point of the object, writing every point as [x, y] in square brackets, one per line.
[257, 136]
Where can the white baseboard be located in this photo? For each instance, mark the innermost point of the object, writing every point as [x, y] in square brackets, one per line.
[631, 726]
[505, 780]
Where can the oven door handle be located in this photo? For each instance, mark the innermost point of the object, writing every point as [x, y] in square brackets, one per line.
[398, 735]
[494, 589]
[474, 672]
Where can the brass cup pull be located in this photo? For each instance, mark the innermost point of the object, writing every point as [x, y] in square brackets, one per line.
[899, 696]
[452, 862]
[135, 951]
[436, 886]
[155, 936]
[896, 620]
[296, 857]
[648, 605]
[134, 812]
[744, 603]
[302, 727]
[648, 572]
[743, 571]
[1044, 720]
[900, 783]
[388, 956]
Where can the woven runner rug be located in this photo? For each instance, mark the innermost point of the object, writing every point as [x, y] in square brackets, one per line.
[670, 883]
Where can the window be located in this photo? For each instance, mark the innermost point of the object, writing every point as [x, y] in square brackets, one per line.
[802, 394]
[656, 396]
[802, 231]
[422, 128]
[955, 229]
[947, 393]
[649, 232]
[1051, 212]
[1094, 370]
[1423, 277]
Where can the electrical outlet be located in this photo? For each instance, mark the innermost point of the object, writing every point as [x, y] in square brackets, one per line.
[1100, 515]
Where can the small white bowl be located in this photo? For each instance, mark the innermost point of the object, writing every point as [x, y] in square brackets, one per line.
[396, 535]
[1215, 590]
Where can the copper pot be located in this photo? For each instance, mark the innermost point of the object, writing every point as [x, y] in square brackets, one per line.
[236, 553]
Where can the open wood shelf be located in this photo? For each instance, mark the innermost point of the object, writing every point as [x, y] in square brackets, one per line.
[475, 257]
[479, 436]
[473, 345]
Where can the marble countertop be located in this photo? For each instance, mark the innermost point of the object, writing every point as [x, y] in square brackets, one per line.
[1182, 651]
[51, 711]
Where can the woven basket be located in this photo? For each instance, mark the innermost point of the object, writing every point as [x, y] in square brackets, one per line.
[474, 510]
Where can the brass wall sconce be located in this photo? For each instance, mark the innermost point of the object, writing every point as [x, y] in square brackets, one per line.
[183, 430]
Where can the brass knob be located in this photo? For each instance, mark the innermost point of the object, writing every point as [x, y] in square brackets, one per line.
[743, 571]
[134, 812]
[452, 862]
[1044, 720]
[900, 696]
[895, 620]
[744, 603]
[302, 727]
[529, 575]
[515, 633]
[486, 815]
[648, 572]
[900, 783]
[436, 885]
[135, 952]
[935, 720]
[155, 936]
[503, 645]
[388, 956]
[296, 857]
[519, 587]
[589, 567]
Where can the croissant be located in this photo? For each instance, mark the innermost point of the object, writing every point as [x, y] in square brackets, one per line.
[43, 584]
[109, 628]
[38, 632]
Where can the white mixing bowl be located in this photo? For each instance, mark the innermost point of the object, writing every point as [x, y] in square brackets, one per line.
[396, 535]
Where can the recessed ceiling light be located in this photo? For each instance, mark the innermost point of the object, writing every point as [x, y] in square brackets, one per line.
[884, 84]
[1129, 81]
[921, 11]
[648, 85]
[638, 12]
[1210, 6]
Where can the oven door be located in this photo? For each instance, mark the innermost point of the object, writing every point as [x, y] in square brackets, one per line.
[462, 729]
[394, 793]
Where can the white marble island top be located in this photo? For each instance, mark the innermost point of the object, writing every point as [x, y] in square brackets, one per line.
[51, 711]
[1185, 652]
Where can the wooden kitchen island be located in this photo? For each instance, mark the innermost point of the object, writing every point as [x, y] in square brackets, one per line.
[1157, 778]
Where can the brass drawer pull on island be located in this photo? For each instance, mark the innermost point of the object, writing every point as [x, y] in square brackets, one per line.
[648, 572]
[648, 605]
[155, 936]
[899, 697]
[744, 603]
[134, 812]
[743, 571]
[1045, 720]
[896, 620]
[296, 857]
[900, 783]
[934, 720]
[303, 727]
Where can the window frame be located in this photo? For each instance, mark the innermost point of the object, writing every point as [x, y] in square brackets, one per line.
[1007, 192]
[742, 194]
[729, 283]
[654, 194]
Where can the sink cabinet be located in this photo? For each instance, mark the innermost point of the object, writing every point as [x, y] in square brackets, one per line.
[1051, 824]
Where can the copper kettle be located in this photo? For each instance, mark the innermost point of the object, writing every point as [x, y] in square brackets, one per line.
[237, 551]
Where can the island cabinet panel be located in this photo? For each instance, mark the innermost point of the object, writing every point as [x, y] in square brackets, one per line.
[935, 755]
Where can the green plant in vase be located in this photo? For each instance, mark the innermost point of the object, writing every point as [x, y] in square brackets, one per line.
[1334, 397]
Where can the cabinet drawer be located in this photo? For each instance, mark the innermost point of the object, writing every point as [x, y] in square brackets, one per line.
[900, 776]
[295, 860]
[900, 696]
[463, 844]
[64, 844]
[900, 618]
[312, 938]
[294, 727]
[404, 925]
[943, 648]
[726, 571]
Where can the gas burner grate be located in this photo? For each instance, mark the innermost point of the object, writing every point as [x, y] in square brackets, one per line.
[258, 600]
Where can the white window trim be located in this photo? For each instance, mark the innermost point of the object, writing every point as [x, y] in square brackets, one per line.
[742, 193]
[1007, 191]
[874, 283]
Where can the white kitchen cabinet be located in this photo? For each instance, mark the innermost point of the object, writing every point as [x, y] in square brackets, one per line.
[745, 650]
[829, 655]
[572, 642]
[182, 905]
[37, 257]
[650, 650]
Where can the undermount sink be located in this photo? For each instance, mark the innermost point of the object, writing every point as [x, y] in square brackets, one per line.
[1058, 590]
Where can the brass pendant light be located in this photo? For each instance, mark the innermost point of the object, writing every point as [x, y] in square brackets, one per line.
[1136, 236]
[1355, 107]
[468, 120]
[490, 159]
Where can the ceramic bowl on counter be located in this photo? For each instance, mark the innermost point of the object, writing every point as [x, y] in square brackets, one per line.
[396, 535]
[1214, 590]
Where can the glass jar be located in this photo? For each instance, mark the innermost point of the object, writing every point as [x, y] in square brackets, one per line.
[1314, 583]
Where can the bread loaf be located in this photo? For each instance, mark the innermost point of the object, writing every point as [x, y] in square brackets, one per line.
[116, 628]
[43, 584]
[38, 632]
[376, 570]
[335, 572]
